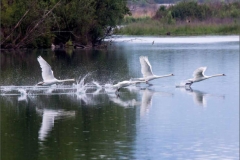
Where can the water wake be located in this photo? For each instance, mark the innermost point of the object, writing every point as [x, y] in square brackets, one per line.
[80, 89]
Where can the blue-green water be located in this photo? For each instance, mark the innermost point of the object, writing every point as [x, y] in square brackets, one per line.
[142, 122]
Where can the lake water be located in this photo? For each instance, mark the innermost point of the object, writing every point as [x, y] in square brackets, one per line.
[141, 122]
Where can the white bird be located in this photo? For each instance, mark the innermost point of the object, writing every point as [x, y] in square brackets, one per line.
[198, 75]
[47, 74]
[146, 70]
[124, 84]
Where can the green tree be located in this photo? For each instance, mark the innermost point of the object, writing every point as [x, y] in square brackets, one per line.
[28, 23]
[108, 14]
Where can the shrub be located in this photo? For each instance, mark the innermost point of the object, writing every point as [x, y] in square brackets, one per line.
[191, 9]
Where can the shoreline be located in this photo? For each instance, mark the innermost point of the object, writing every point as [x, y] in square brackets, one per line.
[175, 39]
[157, 28]
[184, 39]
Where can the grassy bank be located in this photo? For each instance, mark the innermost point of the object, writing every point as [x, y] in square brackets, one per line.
[154, 27]
[187, 18]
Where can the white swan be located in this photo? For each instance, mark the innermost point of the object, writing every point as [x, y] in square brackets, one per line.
[146, 70]
[198, 75]
[124, 84]
[47, 74]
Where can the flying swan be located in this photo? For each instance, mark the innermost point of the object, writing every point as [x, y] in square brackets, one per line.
[198, 75]
[122, 84]
[47, 74]
[146, 70]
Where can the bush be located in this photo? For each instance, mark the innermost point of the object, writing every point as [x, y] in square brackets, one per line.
[161, 13]
[29, 22]
[184, 10]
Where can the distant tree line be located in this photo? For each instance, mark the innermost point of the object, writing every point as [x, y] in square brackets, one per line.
[187, 10]
[187, 17]
[38, 23]
[146, 2]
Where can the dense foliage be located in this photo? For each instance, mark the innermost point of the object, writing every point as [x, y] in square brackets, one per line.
[195, 11]
[38, 23]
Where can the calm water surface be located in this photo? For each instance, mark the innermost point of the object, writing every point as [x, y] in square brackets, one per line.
[143, 122]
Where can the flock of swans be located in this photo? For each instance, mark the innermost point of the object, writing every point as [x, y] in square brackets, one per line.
[49, 115]
[47, 86]
[146, 70]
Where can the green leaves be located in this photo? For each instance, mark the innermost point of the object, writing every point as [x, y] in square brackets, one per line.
[83, 21]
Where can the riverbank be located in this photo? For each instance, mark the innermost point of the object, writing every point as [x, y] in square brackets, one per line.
[155, 40]
[154, 27]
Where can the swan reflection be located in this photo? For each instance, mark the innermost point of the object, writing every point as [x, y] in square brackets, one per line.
[23, 97]
[146, 101]
[147, 95]
[200, 97]
[124, 103]
[48, 118]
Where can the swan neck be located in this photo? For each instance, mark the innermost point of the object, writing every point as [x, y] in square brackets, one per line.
[216, 75]
[66, 80]
[168, 75]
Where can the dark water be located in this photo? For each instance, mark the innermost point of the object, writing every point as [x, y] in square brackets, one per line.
[143, 122]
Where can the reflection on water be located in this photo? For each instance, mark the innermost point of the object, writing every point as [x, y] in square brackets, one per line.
[147, 95]
[23, 95]
[88, 120]
[48, 118]
[146, 101]
[199, 97]
[123, 103]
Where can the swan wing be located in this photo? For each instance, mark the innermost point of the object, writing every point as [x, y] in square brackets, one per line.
[198, 73]
[47, 73]
[146, 67]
